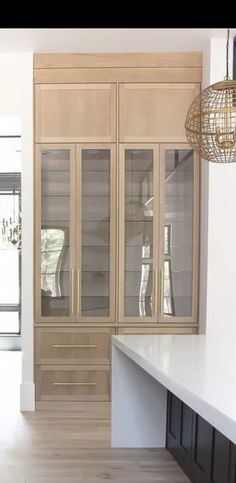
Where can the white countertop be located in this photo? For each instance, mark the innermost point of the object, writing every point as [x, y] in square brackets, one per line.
[199, 369]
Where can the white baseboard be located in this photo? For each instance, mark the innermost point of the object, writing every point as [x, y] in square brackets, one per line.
[27, 396]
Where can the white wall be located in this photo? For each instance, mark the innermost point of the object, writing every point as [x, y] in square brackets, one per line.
[218, 277]
[16, 99]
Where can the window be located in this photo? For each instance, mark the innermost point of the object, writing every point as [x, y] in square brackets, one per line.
[10, 255]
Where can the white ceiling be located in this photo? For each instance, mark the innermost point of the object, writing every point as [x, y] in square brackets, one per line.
[106, 40]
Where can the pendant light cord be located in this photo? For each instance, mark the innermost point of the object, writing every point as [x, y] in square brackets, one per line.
[227, 55]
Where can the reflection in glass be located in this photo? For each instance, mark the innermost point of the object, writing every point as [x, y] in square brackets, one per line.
[52, 257]
[178, 239]
[138, 232]
[168, 289]
[95, 253]
[55, 220]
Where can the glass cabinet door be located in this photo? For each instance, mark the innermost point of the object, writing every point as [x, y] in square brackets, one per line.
[95, 233]
[179, 237]
[138, 234]
[54, 233]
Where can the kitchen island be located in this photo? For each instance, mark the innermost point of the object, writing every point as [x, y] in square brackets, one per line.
[195, 373]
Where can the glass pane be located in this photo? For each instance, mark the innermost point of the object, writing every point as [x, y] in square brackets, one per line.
[95, 256]
[55, 223]
[178, 249]
[10, 155]
[9, 322]
[10, 225]
[138, 232]
[9, 255]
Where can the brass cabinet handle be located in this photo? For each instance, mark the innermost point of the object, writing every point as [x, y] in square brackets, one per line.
[75, 346]
[78, 291]
[72, 289]
[155, 291]
[162, 290]
[74, 383]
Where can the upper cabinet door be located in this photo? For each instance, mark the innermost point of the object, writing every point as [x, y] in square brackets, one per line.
[179, 233]
[54, 225]
[154, 112]
[95, 232]
[138, 233]
[75, 113]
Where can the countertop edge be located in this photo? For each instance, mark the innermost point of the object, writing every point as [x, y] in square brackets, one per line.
[214, 416]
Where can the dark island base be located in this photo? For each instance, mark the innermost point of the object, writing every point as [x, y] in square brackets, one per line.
[205, 455]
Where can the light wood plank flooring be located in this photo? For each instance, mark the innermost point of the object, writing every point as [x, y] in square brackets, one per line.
[54, 447]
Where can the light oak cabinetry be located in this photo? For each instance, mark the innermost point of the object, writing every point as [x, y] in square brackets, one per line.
[116, 212]
[158, 233]
[73, 346]
[159, 111]
[75, 113]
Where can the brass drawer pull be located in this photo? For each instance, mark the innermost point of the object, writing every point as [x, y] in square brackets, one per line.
[75, 346]
[74, 383]
[72, 290]
[155, 291]
[78, 291]
[162, 291]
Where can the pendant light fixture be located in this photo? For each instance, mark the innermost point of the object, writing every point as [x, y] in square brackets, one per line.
[211, 120]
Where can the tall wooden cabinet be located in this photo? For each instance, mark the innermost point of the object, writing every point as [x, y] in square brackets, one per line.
[116, 213]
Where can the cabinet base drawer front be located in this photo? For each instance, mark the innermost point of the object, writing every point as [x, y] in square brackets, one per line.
[157, 330]
[73, 346]
[70, 383]
[77, 409]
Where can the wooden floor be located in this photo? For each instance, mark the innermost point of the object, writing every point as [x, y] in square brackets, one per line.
[53, 447]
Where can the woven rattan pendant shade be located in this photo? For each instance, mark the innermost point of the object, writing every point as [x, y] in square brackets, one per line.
[211, 122]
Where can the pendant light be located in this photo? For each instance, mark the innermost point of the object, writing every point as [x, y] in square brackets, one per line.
[211, 120]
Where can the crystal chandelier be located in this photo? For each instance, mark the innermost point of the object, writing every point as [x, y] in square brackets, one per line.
[211, 120]
[11, 226]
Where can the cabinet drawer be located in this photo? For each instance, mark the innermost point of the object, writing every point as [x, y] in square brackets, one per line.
[73, 346]
[72, 383]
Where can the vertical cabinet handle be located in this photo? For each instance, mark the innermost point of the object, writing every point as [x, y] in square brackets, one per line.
[155, 291]
[72, 274]
[78, 291]
[162, 290]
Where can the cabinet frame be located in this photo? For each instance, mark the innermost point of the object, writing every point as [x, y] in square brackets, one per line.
[155, 283]
[112, 148]
[196, 231]
[90, 86]
[158, 137]
[37, 230]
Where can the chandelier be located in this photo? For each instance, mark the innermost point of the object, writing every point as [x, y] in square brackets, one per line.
[11, 226]
[211, 120]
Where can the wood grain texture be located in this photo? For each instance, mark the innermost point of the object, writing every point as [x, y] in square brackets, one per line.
[55, 448]
[141, 74]
[157, 330]
[73, 346]
[119, 59]
[83, 410]
[72, 383]
[159, 111]
[75, 113]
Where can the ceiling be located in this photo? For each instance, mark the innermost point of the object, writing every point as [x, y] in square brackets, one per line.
[107, 40]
